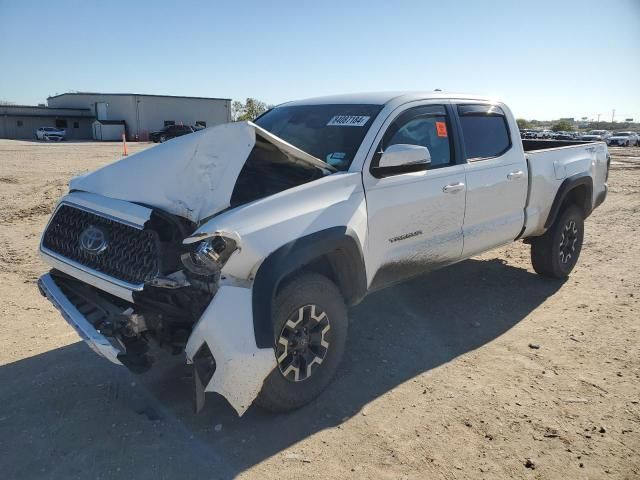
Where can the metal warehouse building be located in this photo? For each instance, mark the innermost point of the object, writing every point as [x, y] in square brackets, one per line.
[140, 113]
[22, 121]
[147, 113]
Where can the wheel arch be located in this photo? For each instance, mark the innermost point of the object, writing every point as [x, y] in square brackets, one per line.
[575, 190]
[334, 252]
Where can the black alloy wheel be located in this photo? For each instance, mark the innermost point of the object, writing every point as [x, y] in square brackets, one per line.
[302, 343]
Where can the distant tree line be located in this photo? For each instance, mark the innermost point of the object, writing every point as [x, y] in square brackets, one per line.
[249, 110]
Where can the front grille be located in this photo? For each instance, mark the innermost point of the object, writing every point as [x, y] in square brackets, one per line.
[131, 255]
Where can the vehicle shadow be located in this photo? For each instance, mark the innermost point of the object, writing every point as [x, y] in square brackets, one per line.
[71, 414]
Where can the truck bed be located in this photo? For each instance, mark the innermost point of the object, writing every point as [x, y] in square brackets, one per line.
[550, 162]
[533, 145]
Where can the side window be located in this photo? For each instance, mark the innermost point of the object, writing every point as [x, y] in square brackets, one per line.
[426, 126]
[169, 122]
[484, 130]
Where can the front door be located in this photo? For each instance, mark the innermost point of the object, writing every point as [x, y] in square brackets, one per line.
[415, 218]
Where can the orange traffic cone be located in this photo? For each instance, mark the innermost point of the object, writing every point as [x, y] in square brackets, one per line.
[124, 145]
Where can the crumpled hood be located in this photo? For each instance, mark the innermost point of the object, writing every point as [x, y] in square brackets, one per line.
[192, 176]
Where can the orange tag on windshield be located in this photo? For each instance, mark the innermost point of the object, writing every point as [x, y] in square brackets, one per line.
[441, 128]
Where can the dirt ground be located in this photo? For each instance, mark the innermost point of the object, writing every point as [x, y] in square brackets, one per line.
[465, 373]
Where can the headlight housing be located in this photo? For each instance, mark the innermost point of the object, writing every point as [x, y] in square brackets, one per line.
[206, 258]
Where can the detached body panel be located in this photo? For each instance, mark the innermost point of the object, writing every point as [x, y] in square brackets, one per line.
[227, 329]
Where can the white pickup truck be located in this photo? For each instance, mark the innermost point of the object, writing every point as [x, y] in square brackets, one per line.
[242, 245]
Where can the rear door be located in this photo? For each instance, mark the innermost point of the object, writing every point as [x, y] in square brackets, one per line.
[415, 218]
[496, 176]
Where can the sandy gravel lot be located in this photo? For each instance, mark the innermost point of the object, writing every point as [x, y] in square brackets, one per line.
[439, 380]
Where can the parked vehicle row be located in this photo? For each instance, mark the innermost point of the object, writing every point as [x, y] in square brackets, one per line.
[527, 133]
[622, 139]
[167, 133]
[530, 134]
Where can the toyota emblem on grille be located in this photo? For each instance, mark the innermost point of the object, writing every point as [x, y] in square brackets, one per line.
[93, 240]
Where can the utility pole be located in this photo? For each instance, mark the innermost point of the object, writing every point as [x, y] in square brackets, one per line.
[613, 114]
[599, 117]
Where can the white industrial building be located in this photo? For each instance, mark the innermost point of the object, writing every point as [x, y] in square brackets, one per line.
[102, 116]
[147, 113]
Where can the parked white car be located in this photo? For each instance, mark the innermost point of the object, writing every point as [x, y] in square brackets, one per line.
[623, 139]
[547, 134]
[596, 135]
[51, 133]
[243, 244]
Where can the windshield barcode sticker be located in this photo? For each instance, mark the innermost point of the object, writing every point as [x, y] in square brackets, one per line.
[348, 121]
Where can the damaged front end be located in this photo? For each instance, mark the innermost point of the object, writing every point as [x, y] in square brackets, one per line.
[129, 267]
[124, 285]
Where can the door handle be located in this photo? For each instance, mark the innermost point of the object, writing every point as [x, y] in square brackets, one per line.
[514, 175]
[453, 187]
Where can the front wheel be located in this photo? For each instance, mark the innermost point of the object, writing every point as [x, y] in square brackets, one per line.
[310, 330]
[556, 253]
[163, 139]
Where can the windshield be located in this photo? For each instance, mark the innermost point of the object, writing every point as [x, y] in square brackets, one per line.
[331, 133]
[621, 134]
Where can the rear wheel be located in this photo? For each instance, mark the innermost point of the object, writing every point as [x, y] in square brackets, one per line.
[556, 253]
[310, 331]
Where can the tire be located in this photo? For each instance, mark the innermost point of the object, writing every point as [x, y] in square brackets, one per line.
[313, 300]
[556, 253]
[163, 139]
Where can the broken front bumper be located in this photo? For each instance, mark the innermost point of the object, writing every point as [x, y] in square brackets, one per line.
[77, 320]
[226, 328]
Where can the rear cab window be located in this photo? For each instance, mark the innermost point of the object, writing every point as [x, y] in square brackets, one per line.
[484, 130]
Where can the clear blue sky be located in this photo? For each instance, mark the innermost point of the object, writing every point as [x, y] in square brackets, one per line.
[547, 59]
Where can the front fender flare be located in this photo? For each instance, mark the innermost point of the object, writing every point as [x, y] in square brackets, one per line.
[339, 244]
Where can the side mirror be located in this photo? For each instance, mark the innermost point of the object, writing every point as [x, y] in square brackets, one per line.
[403, 155]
